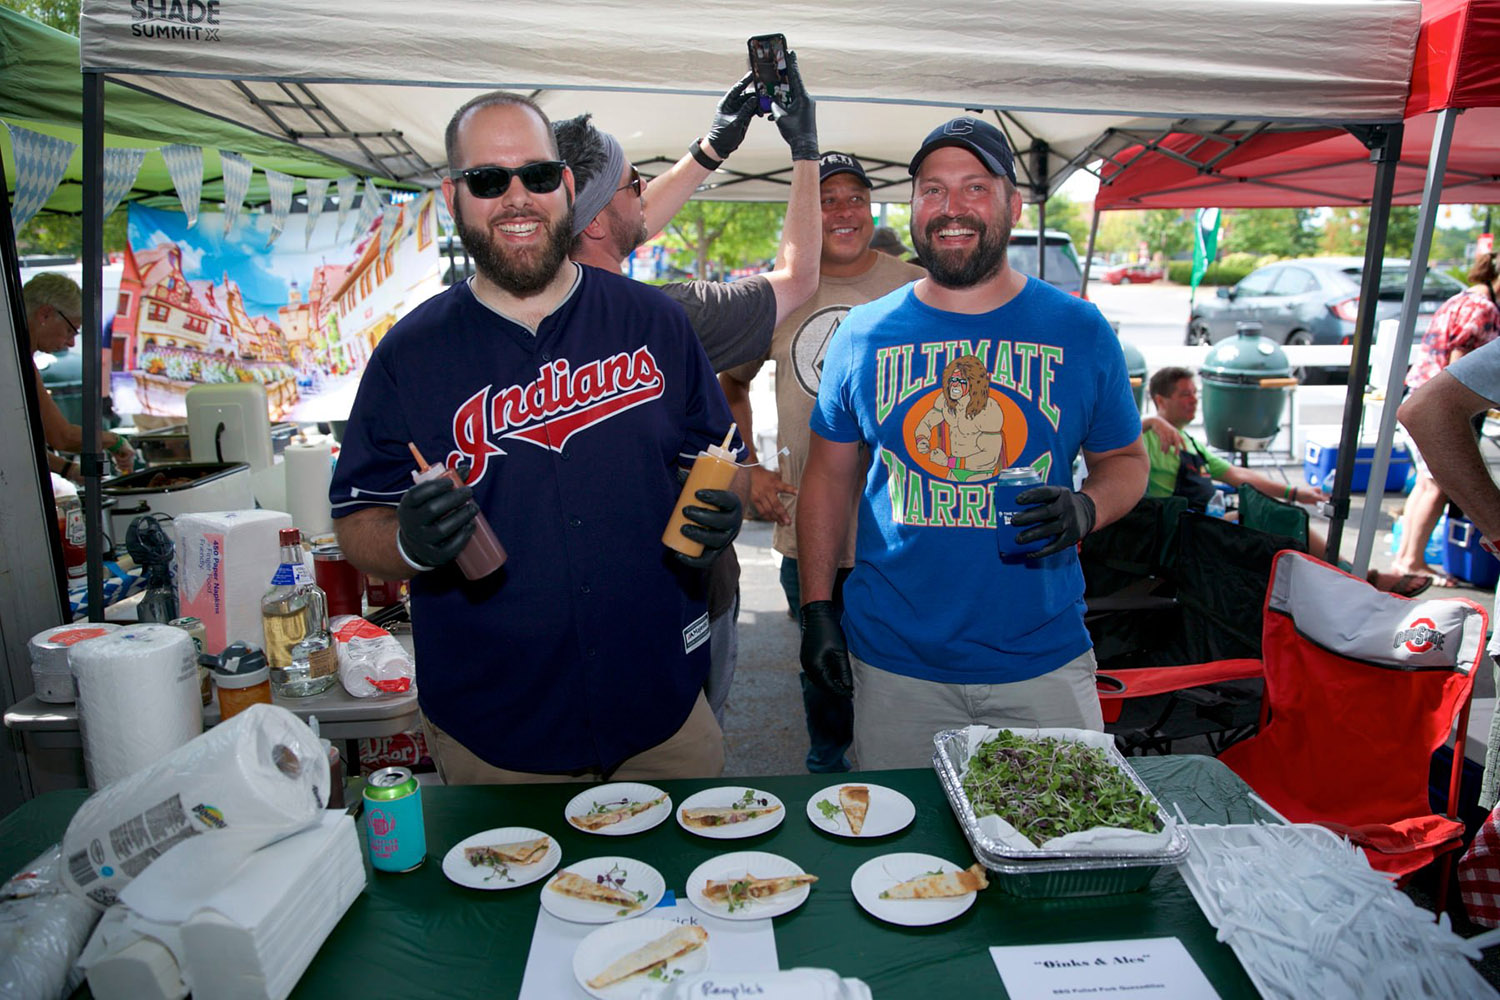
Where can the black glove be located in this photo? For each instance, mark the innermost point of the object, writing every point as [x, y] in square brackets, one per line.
[799, 123]
[825, 654]
[732, 117]
[714, 526]
[1059, 511]
[437, 521]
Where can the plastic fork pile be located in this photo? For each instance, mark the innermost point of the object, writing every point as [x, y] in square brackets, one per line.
[1307, 916]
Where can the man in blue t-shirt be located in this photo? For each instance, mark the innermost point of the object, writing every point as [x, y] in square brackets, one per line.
[973, 369]
[568, 399]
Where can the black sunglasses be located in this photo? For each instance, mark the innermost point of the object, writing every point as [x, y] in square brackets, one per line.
[541, 177]
[635, 184]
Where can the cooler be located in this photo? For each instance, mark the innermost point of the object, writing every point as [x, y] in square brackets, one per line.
[1320, 460]
[1464, 558]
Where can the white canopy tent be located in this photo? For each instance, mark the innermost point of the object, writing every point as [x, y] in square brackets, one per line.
[374, 85]
[357, 83]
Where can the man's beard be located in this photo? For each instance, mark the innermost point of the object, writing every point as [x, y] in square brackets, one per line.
[950, 268]
[626, 240]
[522, 272]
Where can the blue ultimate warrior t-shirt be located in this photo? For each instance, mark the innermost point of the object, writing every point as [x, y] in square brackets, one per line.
[944, 400]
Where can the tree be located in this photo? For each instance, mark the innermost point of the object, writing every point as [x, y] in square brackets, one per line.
[728, 234]
[1166, 231]
[1284, 232]
[59, 14]
[1346, 229]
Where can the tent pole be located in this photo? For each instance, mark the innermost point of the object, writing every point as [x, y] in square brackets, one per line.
[1416, 275]
[1384, 142]
[93, 291]
[1088, 257]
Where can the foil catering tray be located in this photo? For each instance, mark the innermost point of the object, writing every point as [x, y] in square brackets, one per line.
[1052, 873]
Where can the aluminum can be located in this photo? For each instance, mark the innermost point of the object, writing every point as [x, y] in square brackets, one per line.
[394, 832]
[1009, 484]
[193, 627]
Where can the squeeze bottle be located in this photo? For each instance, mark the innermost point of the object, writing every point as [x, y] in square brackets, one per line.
[713, 469]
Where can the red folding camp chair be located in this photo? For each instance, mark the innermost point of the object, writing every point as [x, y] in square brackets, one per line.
[1361, 688]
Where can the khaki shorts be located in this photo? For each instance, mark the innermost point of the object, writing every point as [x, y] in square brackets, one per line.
[895, 716]
[696, 750]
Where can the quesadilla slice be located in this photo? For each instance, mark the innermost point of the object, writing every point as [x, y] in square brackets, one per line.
[659, 952]
[724, 815]
[855, 801]
[738, 890]
[525, 852]
[579, 887]
[939, 886]
[602, 816]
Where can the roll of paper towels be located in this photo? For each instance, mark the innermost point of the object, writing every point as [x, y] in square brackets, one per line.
[138, 698]
[309, 470]
[248, 781]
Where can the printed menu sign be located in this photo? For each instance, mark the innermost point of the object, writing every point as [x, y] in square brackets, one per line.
[1155, 968]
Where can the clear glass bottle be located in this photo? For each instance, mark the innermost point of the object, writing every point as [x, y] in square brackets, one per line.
[295, 615]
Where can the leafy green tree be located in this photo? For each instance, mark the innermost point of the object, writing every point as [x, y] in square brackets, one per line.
[59, 14]
[1166, 231]
[1345, 231]
[51, 233]
[719, 236]
[1284, 232]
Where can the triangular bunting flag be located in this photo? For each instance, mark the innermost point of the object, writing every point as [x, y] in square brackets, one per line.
[369, 208]
[121, 167]
[347, 186]
[280, 186]
[388, 224]
[317, 194]
[41, 161]
[185, 167]
[237, 171]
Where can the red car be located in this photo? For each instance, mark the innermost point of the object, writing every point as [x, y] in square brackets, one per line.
[1139, 274]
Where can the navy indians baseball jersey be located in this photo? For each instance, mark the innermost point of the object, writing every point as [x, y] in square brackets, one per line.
[591, 643]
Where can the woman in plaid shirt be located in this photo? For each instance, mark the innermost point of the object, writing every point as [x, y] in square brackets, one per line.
[1467, 321]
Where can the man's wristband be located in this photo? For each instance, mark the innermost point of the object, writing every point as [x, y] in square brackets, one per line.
[401, 551]
[704, 160]
[1288, 493]
[114, 449]
[67, 469]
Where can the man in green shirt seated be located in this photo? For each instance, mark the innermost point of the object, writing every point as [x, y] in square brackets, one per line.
[1182, 466]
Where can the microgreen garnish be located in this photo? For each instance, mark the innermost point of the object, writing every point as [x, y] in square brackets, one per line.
[615, 877]
[828, 809]
[604, 807]
[660, 973]
[1048, 787]
[500, 869]
[749, 799]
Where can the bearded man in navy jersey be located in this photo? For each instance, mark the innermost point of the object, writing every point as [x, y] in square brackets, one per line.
[569, 399]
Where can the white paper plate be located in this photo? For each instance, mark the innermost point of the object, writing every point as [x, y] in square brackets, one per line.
[637, 877]
[618, 792]
[731, 795]
[459, 870]
[734, 865]
[606, 944]
[889, 811]
[879, 874]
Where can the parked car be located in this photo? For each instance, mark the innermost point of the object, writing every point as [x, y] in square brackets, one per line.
[1136, 274]
[1313, 300]
[1063, 270]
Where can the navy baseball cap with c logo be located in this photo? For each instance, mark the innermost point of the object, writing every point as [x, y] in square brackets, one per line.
[977, 136]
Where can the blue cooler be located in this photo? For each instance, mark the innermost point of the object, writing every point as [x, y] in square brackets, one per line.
[1320, 461]
[1464, 558]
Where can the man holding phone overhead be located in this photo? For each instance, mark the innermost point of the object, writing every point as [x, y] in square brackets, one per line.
[615, 213]
[574, 396]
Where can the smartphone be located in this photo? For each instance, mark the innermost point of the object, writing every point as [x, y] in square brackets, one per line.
[768, 70]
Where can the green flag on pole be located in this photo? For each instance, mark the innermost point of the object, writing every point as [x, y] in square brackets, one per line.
[1205, 246]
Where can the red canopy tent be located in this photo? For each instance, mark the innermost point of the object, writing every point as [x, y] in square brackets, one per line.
[1457, 65]
[1453, 155]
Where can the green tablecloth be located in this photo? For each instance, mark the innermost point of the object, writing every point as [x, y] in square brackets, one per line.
[419, 935]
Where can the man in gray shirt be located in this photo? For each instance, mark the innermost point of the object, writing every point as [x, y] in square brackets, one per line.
[615, 211]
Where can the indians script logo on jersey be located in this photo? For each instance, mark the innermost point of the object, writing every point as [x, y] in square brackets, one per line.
[1420, 636]
[560, 402]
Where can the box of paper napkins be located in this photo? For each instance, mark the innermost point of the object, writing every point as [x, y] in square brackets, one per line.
[251, 934]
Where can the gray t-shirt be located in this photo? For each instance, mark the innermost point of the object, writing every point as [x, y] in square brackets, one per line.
[733, 319]
[1479, 370]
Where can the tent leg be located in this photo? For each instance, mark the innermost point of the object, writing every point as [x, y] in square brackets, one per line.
[1088, 256]
[1432, 188]
[93, 292]
[1384, 142]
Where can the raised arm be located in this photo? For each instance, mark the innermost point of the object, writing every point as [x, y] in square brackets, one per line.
[668, 192]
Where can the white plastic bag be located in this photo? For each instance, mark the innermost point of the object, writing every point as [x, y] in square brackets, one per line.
[43, 928]
[371, 660]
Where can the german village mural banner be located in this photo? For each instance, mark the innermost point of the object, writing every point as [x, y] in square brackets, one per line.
[210, 303]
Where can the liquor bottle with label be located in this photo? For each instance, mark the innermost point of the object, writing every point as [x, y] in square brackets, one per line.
[295, 615]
